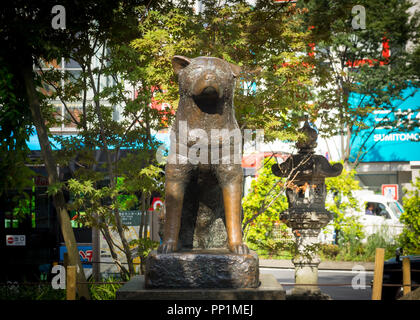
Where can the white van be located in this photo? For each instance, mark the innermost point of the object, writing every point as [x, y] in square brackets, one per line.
[375, 212]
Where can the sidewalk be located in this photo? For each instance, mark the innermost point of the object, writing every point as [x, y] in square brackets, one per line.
[324, 265]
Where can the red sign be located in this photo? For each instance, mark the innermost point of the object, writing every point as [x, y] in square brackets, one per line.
[385, 54]
[10, 240]
[156, 204]
[390, 191]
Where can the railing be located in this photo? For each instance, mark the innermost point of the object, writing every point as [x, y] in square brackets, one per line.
[379, 272]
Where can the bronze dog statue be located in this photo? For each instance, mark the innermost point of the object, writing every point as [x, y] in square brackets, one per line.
[206, 87]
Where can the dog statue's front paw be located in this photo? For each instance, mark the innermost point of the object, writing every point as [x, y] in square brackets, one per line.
[239, 248]
[167, 247]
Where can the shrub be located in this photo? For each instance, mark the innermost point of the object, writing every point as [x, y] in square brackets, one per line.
[43, 291]
[350, 244]
[329, 251]
[348, 227]
[409, 239]
[271, 248]
[380, 239]
[106, 291]
[261, 207]
[144, 247]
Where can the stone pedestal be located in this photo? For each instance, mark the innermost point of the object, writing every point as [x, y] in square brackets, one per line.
[306, 227]
[201, 269]
[269, 289]
[211, 274]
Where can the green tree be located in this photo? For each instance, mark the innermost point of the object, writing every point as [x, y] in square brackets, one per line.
[409, 239]
[354, 75]
[27, 36]
[270, 44]
[16, 127]
[130, 172]
[26, 33]
[272, 91]
[16, 181]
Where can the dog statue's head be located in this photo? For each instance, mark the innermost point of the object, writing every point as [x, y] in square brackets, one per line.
[207, 80]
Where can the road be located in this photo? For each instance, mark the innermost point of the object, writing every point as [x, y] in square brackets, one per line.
[286, 276]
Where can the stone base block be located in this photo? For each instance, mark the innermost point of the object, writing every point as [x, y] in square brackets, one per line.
[202, 269]
[269, 289]
[306, 273]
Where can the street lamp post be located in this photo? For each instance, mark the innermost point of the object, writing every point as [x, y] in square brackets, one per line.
[306, 215]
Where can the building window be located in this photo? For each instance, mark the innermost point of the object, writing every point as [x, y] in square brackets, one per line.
[67, 115]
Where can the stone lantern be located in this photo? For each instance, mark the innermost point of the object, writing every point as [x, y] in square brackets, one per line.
[306, 192]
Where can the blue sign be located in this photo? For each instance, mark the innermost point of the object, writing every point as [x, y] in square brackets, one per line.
[85, 252]
[33, 142]
[384, 143]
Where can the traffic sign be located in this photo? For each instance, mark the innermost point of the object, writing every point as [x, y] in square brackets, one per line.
[16, 240]
[156, 204]
[390, 191]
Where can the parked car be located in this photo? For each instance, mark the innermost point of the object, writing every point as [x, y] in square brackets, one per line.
[393, 275]
[375, 212]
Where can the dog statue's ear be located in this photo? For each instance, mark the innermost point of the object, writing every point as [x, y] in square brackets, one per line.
[179, 63]
[235, 69]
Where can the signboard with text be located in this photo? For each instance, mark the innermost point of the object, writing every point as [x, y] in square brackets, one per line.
[16, 240]
[85, 253]
[130, 217]
[384, 143]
